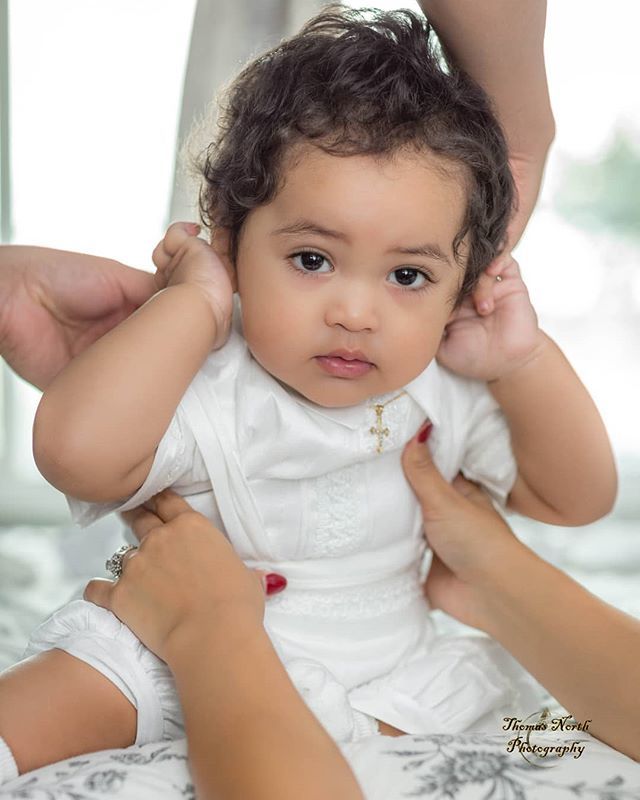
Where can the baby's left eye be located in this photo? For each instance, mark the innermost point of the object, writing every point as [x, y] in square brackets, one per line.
[407, 276]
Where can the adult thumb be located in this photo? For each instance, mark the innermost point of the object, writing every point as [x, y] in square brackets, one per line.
[434, 493]
[98, 591]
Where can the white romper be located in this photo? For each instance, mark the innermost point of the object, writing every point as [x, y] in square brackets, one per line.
[300, 489]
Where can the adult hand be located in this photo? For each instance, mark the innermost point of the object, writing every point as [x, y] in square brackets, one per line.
[484, 576]
[464, 531]
[185, 574]
[54, 304]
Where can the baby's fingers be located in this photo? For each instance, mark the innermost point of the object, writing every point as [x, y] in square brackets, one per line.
[175, 237]
[483, 295]
[490, 284]
[504, 265]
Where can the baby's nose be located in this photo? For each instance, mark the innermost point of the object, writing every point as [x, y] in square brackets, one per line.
[354, 308]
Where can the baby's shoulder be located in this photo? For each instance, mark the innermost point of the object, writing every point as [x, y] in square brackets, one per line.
[224, 364]
[446, 395]
[231, 364]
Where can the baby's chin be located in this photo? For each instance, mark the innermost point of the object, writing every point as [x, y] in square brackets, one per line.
[309, 383]
[338, 392]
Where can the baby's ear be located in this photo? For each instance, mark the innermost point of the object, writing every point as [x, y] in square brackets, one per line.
[221, 243]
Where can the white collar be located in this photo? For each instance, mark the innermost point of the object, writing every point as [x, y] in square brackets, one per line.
[425, 390]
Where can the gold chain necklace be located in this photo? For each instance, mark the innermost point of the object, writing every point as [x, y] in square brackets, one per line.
[378, 429]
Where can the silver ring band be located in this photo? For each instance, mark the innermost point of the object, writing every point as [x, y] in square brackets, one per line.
[114, 564]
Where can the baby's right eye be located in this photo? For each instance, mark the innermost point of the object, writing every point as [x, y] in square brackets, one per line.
[307, 261]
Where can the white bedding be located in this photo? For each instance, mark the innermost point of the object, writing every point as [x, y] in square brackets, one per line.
[35, 579]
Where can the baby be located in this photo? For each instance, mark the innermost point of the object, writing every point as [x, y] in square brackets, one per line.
[356, 191]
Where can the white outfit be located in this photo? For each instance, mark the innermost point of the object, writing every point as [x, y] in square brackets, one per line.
[299, 489]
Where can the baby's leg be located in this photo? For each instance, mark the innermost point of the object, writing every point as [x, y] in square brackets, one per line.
[389, 730]
[55, 706]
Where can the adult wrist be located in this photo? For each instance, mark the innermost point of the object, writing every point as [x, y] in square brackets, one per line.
[498, 583]
[227, 639]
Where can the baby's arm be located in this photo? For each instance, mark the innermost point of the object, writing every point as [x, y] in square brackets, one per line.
[566, 470]
[99, 423]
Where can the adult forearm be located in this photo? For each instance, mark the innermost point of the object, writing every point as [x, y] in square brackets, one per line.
[581, 649]
[567, 474]
[249, 732]
[107, 410]
[499, 43]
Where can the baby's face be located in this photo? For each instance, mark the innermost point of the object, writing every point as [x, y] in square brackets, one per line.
[353, 255]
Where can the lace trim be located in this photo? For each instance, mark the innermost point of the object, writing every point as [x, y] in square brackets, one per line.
[336, 501]
[358, 602]
[174, 432]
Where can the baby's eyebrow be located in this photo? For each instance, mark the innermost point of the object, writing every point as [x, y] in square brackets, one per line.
[427, 250]
[306, 226]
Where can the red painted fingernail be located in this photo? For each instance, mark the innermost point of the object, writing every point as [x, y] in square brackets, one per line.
[274, 583]
[425, 432]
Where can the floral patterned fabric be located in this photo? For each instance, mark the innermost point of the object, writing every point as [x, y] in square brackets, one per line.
[438, 767]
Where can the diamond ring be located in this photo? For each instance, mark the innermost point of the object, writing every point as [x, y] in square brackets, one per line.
[114, 564]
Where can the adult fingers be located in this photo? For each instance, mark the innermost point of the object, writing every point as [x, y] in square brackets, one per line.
[439, 574]
[168, 505]
[471, 491]
[141, 520]
[432, 490]
[272, 582]
[137, 285]
[99, 591]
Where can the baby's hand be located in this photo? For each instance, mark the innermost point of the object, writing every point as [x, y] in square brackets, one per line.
[182, 257]
[490, 346]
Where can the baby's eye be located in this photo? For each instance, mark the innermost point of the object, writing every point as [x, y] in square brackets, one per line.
[308, 261]
[407, 276]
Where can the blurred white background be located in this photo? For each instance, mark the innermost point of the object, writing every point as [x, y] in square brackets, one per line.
[95, 104]
[96, 90]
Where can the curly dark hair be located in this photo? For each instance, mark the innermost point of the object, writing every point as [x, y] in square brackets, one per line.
[355, 82]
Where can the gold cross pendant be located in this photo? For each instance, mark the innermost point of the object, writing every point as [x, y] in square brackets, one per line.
[379, 431]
